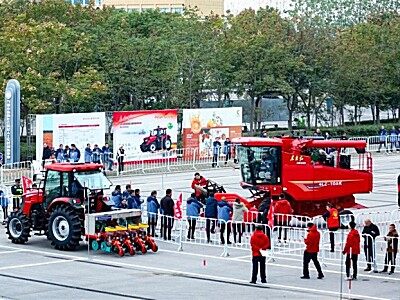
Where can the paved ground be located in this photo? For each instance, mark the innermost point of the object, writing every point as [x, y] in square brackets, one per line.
[35, 270]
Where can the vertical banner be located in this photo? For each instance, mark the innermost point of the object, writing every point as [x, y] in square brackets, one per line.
[202, 126]
[145, 133]
[66, 129]
[12, 120]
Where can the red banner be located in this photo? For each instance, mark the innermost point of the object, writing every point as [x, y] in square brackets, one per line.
[26, 183]
[178, 207]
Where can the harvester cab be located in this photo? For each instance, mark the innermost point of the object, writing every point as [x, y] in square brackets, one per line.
[309, 172]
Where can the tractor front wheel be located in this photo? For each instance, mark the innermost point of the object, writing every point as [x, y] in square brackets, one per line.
[18, 228]
[167, 144]
[153, 147]
[64, 228]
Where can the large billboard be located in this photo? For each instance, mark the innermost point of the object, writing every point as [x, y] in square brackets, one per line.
[202, 126]
[146, 133]
[79, 129]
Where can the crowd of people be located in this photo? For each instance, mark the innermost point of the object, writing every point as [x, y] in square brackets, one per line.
[389, 139]
[103, 155]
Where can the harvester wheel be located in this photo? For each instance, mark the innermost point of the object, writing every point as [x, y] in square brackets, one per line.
[64, 228]
[154, 247]
[94, 245]
[144, 249]
[18, 228]
[119, 250]
[129, 249]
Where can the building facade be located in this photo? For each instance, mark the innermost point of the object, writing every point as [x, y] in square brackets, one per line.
[236, 6]
[205, 7]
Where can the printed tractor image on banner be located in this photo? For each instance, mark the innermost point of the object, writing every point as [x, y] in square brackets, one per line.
[143, 133]
[201, 127]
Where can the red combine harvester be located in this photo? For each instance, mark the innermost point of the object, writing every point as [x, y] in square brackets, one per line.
[302, 170]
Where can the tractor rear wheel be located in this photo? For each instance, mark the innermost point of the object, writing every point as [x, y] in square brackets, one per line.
[64, 229]
[18, 228]
[167, 144]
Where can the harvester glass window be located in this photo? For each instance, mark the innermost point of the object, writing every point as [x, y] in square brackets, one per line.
[260, 165]
[93, 180]
[52, 187]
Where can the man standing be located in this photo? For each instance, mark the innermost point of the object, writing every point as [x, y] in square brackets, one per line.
[311, 252]
[88, 154]
[369, 233]
[382, 138]
[193, 207]
[392, 239]
[352, 250]
[46, 153]
[74, 153]
[224, 211]
[107, 153]
[216, 151]
[259, 241]
[227, 150]
[167, 207]
[17, 191]
[210, 213]
[152, 213]
[120, 158]
[60, 154]
[96, 154]
[331, 216]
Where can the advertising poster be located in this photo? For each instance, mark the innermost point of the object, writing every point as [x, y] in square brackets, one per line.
[79, 129]
[202, 126]
[145, 133]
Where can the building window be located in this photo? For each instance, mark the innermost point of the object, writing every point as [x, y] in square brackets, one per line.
[177, 10]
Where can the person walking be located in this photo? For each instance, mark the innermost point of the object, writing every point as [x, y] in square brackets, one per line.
[193, 207]
[352, 250]
[237, 219]
[88, 154]
[211, 214]
[369, 233]
[392, 239]
[224, 211]
[120, 158]
[17, 191]
[152, 213]
[227, 150]
[311, 252]
[331, 216]
[382, 138]
[216, 151]
[167, 207]
[259, 241]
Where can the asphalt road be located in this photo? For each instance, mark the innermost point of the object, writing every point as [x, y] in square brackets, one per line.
[36, 270]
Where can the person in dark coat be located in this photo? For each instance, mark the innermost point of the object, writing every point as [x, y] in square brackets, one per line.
[224, 212]
[167, 208]
[216, 151]
[370, 232]
[116, 197]
[193, 207]
[66, 153]
[127, 192]
[96, 154]
[227, 150]
[259, 241]
[60, 154]
[17, 191]
[107, 157]
[392, 239]
[311, 252]
[211, 214]
[88, 154]
[74, 153]
[46, 153]
[152, 213]
[137, 198]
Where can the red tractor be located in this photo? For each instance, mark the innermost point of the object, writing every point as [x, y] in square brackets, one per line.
[157, 140]
[309, 172]
[57, 208]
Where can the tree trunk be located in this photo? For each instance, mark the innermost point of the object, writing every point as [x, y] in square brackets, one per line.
[252, 113]
[373, 114]
[355, 114]
[258, 112]
[378, 115]
[342, 115]
[290, 119]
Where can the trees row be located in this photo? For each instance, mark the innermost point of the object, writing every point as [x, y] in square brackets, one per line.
[79, 59]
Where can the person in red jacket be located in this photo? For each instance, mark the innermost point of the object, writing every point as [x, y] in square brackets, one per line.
[311, 252]
[282, 212]
[199, 181]
[352, 250]
[331, 216]
[259, 241]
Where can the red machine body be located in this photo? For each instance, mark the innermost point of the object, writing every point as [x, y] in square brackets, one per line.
[303, 171]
